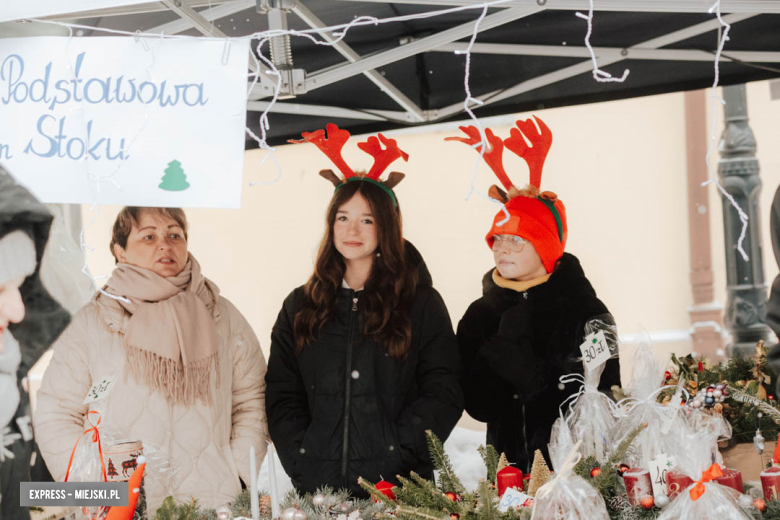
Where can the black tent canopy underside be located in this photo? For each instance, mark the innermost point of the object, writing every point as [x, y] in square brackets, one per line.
[434, 79]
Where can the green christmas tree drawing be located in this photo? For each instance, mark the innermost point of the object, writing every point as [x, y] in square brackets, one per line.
[174, 178]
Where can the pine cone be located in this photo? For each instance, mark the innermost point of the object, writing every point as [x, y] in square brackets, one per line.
[265, 505]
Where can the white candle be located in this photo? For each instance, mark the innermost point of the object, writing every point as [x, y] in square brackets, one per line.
[255, 503]
[275, 513]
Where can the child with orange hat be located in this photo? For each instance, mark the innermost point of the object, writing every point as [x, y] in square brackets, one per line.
[524, 333]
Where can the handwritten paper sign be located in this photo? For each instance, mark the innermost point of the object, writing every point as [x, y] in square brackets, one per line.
[514, 499]
[595, 350]
[658, 469]
[141, 122]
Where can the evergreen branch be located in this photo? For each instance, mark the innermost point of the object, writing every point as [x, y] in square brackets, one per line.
[408, 492]
[448, 480]
[491, 459]
[607, 480]
[374, 492]
[622, 448]
[744, 397]
[486, 510]
[414, 512]
[431, 495]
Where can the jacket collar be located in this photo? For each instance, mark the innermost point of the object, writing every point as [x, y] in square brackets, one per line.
[567, 281]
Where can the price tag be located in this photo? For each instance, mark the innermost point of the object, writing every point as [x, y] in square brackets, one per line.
[514, 499]
[595, 351]
[658, 469]
[100, 390]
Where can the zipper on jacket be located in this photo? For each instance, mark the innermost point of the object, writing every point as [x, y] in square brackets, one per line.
[525, 438]
[347, 389]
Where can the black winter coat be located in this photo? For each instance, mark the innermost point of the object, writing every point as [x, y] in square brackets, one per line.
[388, 404]
[511, 379]
[44, 320]
[773, 304]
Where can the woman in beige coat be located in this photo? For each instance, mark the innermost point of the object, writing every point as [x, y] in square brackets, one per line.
[188, 369]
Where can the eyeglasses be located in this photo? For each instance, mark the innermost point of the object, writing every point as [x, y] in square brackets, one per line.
[513, 242]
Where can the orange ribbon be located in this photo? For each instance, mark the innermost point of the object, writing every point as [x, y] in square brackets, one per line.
[95, 438]
[711, 473]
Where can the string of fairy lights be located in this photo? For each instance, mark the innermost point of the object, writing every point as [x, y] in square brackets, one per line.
[337, 33]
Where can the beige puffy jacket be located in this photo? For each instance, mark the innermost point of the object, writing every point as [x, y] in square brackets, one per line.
[197, 451]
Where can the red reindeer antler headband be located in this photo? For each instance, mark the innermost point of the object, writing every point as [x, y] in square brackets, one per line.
[333, 145]
[534, 155]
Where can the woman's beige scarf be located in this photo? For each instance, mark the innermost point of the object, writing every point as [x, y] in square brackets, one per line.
[171, 338]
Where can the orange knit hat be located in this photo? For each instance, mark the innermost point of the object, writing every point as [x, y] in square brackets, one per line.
[538, 217]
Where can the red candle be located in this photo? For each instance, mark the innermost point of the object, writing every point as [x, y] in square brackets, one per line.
[509, 477]
[731, 478]
[676, 483]
[638, 485]
[386, 488]
[770, 482]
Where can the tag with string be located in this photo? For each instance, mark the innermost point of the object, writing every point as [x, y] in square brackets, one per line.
[595, 350]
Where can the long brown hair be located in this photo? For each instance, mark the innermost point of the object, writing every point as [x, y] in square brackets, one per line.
[386, 302]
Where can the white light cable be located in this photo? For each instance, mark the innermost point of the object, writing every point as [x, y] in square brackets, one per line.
[724, 37]
[598, 74]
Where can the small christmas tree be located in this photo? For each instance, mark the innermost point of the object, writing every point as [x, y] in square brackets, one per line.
[111, 470]
[174, 178]
[502, 462]
[540, 473]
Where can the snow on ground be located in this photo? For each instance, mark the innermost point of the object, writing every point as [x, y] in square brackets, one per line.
[461, 447]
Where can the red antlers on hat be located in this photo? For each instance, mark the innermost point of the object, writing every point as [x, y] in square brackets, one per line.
[534, 155]
[334, 143]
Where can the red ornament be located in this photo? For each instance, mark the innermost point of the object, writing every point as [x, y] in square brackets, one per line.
[452, 496]
[509, 477]
[667, 375]
[648, 502]
[701, 366]
[386, 488]
[595, 472]
[622, 469]
[760, 504]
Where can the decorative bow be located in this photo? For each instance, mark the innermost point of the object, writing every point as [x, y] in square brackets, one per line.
[711, 473]
[95, 438]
